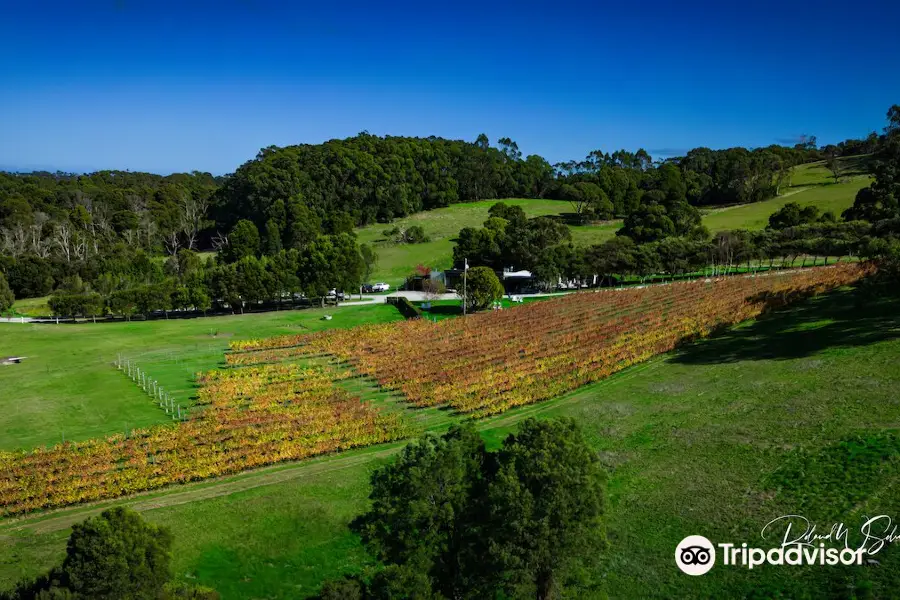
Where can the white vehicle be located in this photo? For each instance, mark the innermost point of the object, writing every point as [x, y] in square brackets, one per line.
[381, 287]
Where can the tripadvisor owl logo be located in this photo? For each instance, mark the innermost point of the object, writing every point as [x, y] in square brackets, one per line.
[695, 555]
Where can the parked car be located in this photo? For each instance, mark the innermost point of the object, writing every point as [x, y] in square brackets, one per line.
[368, 288]
[381, 287]
[336, 294]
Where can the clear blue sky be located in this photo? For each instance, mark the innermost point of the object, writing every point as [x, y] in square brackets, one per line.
[162, 86]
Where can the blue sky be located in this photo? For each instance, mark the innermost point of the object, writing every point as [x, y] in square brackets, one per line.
[174, 86]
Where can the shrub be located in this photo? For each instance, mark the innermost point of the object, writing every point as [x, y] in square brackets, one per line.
[482, 288]
[406, 308]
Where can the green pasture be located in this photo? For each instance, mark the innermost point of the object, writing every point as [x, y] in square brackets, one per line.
[790, 413]
[826, 196]
[397, 261]
[68, 388]
[32, 307]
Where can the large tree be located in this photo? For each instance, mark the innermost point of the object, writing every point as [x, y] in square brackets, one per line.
[424, 506]
[525, 521]
[113, 556]
[545, 508]
[369, 258]
[482, 288]
[242, 241]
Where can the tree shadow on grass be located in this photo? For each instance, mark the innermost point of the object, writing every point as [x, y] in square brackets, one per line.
[844, 318]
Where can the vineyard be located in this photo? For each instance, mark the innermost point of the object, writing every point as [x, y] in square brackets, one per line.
[494, 361]
[248, 418]
[277, 401]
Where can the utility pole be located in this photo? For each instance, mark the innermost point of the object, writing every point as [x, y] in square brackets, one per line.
[465, 270]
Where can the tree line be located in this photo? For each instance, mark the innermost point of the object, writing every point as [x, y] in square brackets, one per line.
[133, 283]
[303, 199]
[663, 233]
[542, 246]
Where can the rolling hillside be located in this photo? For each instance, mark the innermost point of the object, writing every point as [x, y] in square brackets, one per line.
[396, 262]
[811, 184]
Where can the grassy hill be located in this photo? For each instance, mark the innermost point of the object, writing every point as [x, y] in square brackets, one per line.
[715, 439]
[810, 184]
[397, 261]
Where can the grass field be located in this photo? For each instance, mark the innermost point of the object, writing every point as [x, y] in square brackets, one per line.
[32, 307]
[68, 387]
[715, 439]
[812, 184]
[397, 261]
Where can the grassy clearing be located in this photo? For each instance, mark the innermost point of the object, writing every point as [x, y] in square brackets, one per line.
[69, 388]
[811, 185]
[397, 261]
[715, 439]
[835, 197]
[32, 307]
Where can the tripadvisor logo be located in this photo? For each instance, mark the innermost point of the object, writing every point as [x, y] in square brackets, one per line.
[695, 555]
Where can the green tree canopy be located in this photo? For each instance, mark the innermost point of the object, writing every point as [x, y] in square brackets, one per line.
[450, 518]
[792, 214]
[482, 288]
[545, 507]
[423, 506]
[242, 241]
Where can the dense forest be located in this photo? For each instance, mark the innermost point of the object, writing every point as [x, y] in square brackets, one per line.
[282, 223]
